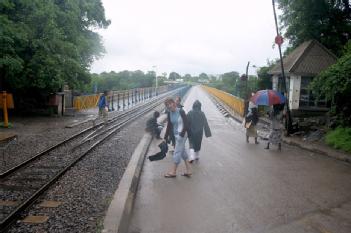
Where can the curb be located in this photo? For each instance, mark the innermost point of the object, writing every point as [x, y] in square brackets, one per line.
[313, 148]
[119, 212]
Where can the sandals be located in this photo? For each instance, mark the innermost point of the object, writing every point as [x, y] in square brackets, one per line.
[187, 175]
[168, 175]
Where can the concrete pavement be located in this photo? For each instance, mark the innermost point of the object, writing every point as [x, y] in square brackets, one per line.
[239, 187]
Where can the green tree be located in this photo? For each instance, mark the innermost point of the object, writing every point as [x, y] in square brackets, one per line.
[212, 78]
[264, 79]
[124, 80]
[194, 79]
[334, 84]
[187, 77]
[230, 81]
[203, 76]
[252, 84]
[47, 43]
[329, 22]
[174, 76]
[164, 75]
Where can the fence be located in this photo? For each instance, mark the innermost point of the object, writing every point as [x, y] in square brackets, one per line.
[85, 101]
[236, 104]
[120, 99]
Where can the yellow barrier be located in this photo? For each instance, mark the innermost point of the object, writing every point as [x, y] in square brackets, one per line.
[6, 101]
[85, 102]
[235, 103]
[9, 101]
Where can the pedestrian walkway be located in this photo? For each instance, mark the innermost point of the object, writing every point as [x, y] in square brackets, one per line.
[239, 187]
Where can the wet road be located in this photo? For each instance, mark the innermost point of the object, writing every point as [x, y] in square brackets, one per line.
[242, 188]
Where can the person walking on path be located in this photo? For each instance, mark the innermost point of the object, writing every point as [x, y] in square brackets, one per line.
[251, 121]
[153, 127]
[276, 133]
[170, 136]
[198, 124]
[177, 126]
[177, 101]
[102, 104]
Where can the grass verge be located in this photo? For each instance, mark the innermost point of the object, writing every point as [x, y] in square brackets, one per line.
[340, 138]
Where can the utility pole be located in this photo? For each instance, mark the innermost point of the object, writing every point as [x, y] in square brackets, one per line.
[247, 79]
[156, 79]
[279, 41]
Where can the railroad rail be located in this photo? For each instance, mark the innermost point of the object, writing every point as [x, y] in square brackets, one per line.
[24, 183]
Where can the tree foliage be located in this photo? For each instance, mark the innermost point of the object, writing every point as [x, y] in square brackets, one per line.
[187, 77]
[334, 84]
[123, 80]
[265, 79]
[230, 81]
[328, 21]
[47, 43]
[203, 76]
[174, 76]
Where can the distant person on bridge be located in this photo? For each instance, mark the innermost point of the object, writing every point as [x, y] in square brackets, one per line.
[178, 101]
[198, 124]
[103, 106]
[153, 127]
[177, 126]
[251, 121]
[276, 133]
[170, 136]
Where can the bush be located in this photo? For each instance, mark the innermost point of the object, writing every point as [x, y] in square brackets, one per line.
[340, 138]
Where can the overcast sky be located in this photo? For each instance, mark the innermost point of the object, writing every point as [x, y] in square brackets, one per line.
[187, 36]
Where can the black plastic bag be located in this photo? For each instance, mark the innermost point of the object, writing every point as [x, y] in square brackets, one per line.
[160, 155]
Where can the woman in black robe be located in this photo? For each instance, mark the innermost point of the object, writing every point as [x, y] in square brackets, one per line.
[198, 124]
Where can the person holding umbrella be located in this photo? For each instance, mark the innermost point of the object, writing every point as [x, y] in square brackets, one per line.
[275, 135]
[277, 100]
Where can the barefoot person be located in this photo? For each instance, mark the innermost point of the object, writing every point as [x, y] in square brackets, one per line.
[177, 125]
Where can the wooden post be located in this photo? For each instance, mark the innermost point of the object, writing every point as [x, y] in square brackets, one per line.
[279, 41]
[4, 106]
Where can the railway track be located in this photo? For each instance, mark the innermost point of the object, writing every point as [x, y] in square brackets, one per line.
[24, 183]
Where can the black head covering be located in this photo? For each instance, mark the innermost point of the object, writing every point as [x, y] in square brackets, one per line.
[197, 105]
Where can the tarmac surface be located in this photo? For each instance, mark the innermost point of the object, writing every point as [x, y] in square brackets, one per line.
[239, 187]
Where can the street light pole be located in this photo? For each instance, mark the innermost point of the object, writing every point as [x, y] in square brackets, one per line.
[156, 79]
[246, 95]
[247, 78]
[279, 42]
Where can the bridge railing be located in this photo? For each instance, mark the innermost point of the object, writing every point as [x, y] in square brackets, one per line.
[236, 104]
[120, 99]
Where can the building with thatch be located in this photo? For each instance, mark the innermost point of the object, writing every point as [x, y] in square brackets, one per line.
[300, 67]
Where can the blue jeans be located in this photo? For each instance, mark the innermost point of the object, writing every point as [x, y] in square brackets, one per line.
[179, 150]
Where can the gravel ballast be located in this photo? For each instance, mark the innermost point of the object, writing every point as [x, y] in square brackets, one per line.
[86, 190]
